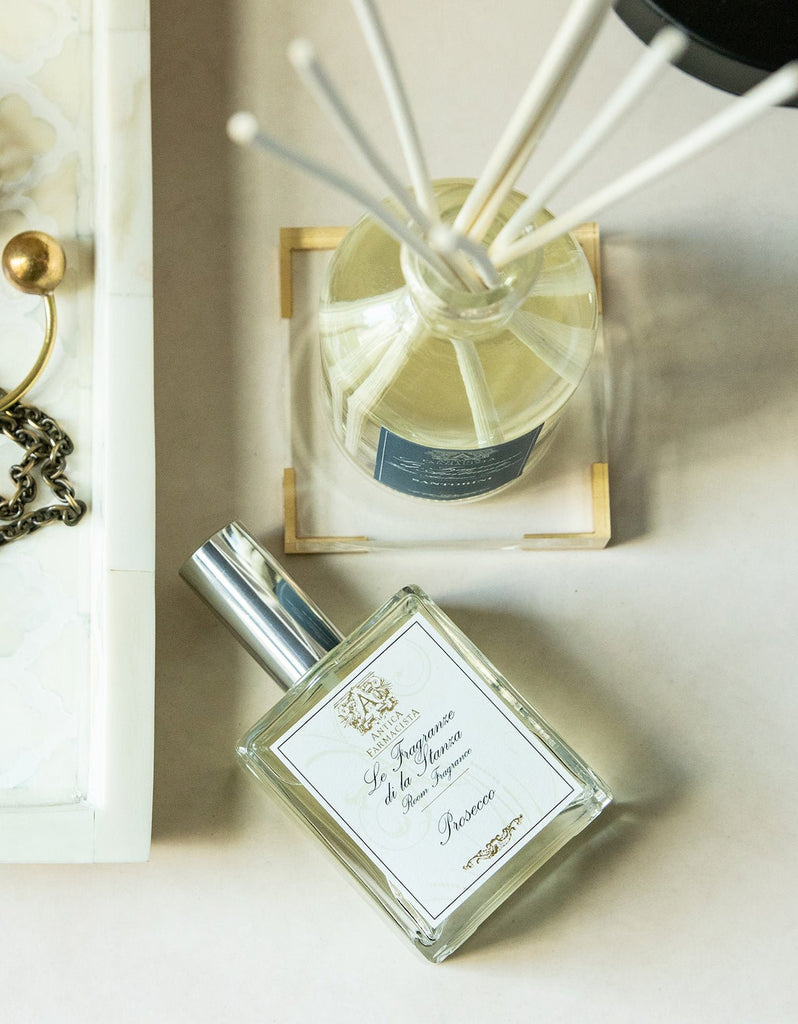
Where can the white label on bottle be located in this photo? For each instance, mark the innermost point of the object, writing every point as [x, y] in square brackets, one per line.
[426, 769]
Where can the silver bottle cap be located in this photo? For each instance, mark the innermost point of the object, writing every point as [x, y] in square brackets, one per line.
[252, 593]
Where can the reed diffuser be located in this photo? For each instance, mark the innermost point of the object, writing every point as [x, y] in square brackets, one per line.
[458, 317]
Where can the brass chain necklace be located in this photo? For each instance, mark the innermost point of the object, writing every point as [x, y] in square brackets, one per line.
[46, 446]
[34, 263]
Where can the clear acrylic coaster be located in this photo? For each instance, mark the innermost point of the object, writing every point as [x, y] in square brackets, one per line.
[330, 505]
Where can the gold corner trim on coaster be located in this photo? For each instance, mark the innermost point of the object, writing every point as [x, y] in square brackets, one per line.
[601, 533]
[301, 240]
[589, 238]
[296, 544]
[319, 239]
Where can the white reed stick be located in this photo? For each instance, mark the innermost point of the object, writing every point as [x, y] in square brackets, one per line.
[538, 105]
[384, 60]
[369, 393]
[468, 254]
[243, 128]
[303, 57]
[484, 414]
[666, 47]
[780, 87]
[387, 354]
[554, 343]
[370, 324]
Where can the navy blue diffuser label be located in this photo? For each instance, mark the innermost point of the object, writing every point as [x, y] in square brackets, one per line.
[445, 474]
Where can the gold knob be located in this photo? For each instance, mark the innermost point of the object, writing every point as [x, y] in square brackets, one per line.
[34, 262]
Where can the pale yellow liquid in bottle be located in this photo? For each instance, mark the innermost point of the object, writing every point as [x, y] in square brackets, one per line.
[402, 366]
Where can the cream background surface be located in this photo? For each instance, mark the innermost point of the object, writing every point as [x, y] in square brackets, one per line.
[667, 659]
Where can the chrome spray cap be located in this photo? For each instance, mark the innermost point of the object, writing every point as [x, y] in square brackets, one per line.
[280, 626]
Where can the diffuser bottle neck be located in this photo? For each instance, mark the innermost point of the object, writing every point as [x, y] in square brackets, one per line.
[459, 312]
[453, 311]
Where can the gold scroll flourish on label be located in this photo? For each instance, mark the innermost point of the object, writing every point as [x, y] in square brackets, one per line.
[489, 851]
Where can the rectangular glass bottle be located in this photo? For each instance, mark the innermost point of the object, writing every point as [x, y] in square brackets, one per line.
[429, 777]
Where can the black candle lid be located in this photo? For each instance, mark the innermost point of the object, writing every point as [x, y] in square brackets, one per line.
[733, 43]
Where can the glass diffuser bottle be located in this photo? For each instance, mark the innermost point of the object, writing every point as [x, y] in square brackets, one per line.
[439, 391]
[431, 780]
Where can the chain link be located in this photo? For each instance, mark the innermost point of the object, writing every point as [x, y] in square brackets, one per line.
[46, 446]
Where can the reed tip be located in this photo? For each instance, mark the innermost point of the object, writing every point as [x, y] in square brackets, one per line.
[791, 71]
[443, 239]
[242, 127]
[301, 53]
[673, 41]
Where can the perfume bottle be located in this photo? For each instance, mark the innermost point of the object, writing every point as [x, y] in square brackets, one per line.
[434, 783]
[442, 392]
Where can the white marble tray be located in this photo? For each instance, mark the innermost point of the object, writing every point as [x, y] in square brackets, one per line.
[76, 605]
